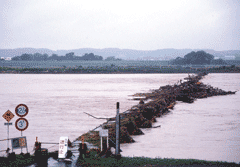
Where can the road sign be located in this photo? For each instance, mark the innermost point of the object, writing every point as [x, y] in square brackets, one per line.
[8, 115]
[21, 110]
[63, 146]
[10, 123]
[21, 124]
[103, 133]
[19, 142]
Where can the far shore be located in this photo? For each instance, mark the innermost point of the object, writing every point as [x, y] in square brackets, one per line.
[118, 69]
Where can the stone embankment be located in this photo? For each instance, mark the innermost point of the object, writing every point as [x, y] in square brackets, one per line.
[153, 105]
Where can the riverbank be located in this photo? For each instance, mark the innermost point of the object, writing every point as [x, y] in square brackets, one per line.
[21, 161]
[113, 69]
[17, 161]
[151, 162]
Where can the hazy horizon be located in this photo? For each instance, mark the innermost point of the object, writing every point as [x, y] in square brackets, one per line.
[118, 48]
[136, 25]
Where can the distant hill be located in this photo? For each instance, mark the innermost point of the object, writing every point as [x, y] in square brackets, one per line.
[19, 51]
[126, 54]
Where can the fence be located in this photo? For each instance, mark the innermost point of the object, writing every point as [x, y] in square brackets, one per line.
[3, 147]
[11, 144]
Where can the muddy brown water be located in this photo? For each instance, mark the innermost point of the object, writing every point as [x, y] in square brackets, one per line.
[207, 129]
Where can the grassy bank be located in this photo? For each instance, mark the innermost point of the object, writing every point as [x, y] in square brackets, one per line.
[143, 161]
[19, 161]
[94, 160]
[125, 69]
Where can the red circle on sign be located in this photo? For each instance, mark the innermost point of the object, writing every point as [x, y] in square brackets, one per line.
[19, 110]
[21, 124]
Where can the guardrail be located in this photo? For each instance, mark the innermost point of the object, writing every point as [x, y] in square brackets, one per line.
[3, 147]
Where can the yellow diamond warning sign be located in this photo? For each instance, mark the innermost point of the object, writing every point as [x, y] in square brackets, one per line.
[8, 115]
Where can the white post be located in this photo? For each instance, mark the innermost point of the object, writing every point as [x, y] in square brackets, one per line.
[8, 136]
[107, 142]
[101, 143]
[21, 136]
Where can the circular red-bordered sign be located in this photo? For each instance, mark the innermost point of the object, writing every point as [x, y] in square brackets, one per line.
[21, 110]
[21, 124]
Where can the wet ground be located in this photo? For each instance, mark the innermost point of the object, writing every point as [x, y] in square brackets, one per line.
[68, 162]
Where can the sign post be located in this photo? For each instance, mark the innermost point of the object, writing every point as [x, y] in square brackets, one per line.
[21, 124]
[8, 115]
[103, 133]
[19, 142]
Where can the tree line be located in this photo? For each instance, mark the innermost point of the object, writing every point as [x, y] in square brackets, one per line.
[118, 69]
[45, 57]
[199, 57]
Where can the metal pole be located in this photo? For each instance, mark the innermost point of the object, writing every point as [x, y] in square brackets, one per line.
[101, 143]
[26, 145]
[8, 136]
[117, 131]
[107, 142]
[21, 136]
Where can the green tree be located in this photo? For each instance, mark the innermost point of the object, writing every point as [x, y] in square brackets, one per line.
[54, 57]
[237, 56]
[91, 56]
[219, 62]
[112, 58]
[16, 58]
[26, 57]
[199, 57]
[40, 57]
[45, 57]
[70, 56]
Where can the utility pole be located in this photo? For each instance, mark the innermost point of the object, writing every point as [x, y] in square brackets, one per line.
[117, 132]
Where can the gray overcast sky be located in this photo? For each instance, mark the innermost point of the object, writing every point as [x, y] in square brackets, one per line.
[124, 24]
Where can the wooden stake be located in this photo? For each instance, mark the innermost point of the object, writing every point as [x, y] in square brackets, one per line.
[82, 142]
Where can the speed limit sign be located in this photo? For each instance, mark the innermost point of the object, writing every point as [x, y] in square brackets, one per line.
[21, 110]
[21, 124]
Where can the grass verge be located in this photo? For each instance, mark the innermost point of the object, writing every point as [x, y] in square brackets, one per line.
[143, 161]
[19, 161]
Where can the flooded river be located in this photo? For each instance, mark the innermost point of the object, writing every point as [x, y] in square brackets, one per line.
[207, 129]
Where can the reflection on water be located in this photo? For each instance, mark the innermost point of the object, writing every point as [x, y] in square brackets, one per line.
[207, 129]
